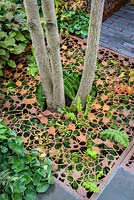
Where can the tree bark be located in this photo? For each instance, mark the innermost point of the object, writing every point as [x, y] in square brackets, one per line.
[38, 42]
[91, 51]
[53, 41]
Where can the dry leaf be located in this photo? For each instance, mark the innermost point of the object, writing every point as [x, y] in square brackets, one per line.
[111, 71]
[7, 104]
[97, 149]
[104, 63]
[104, 97]
[33, 110]
[106, 120]
[44, 120]
[105, 162]
[37, 77]
[76, 174]
[47, 113]
[51, 131]
[106, 107]
[131, 123]
[126, 112]
[17, 75]
[99, 82]
[70, 53]
[71, 127]
[20, 66]
[97, 141]
[109, 144]
[30, 101]
[82, 138]
[97, 106]
[64, 47]
[91, 116]
[117, 79]
[23, 92]
[129, 90]
[7, 121]
[54, 167]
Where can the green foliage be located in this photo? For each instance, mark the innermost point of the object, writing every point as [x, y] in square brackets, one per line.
[40, 96]
[71, 116]
[22, 174]
[9, 85]
[99, 175]
[116, 136]
[14, 32]
[88, 105]
[71, 84]
[74, 22]
[92, 153]
[79, 105]
[71, 80]
[32, 66]
[90, 185]
[76, 157]
[21, 1]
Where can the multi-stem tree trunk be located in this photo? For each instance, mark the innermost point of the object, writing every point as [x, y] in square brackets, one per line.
[53, 41]
[39, 46]
[91, 51]
[48, 58]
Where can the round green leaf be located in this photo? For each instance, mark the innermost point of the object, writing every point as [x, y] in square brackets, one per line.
[11, 63]
[42, 187]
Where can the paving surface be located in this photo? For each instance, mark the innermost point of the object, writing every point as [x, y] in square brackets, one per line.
[117, 31]
[120, 187]
[56, 192]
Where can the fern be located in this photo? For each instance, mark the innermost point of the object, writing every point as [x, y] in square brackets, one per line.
[71, 84]
[116, 136]
[40, 95]
[90, 185]
[71, 116]
[90, 152]
[99, 175]
[79, 105]
[73, 79]
[88, 104]
[69, 90]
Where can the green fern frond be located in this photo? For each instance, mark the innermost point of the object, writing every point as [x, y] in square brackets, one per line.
[69, 90]
[91, 186]
[116, 136]
[90, 152]
[79, 105]
[88, 104]
[73, 80]
[71, 116]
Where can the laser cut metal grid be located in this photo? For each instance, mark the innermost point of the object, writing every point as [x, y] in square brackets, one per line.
[113, 107]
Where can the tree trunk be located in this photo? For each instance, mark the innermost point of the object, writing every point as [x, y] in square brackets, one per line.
[53, 41]
[91, 51]
[39, 46]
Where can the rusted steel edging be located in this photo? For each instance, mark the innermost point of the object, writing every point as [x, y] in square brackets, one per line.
[118, 163]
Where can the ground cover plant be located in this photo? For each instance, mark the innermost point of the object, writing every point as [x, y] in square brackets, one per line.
[74, 22]
[74, 138]
[14, 34]
[22, 173]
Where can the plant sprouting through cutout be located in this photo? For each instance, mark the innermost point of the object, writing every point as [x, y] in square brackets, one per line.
[117, 136]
